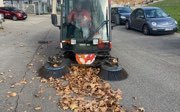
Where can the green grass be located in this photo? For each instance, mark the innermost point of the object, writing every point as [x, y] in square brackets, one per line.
[172, 7]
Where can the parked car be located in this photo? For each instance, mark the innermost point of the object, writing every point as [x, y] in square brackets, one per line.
[13, 13]
[151, 20]
[120, 14]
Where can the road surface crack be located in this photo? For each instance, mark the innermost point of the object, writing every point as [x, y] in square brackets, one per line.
[27, 70]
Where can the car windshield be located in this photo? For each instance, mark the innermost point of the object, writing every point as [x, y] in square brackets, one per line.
[12, 9]
[85, 19]
[124, 10]
[155, 13]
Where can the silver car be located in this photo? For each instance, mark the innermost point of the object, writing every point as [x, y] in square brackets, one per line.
[151, 20]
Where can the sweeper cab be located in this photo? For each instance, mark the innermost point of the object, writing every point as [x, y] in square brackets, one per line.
[85, 38]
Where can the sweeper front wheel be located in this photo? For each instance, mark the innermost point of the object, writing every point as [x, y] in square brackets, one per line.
[110, 72]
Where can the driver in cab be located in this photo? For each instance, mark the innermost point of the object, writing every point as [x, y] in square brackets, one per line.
[81, 19]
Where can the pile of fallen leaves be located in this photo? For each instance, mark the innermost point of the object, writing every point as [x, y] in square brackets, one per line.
[83, 91]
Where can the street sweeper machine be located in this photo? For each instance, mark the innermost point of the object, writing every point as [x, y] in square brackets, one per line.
[85, 38]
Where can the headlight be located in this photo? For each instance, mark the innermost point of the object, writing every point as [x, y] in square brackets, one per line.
[123, 17]
[154, 24]
[19, 14]
[95, 41]
[176, 22]
[73, 41]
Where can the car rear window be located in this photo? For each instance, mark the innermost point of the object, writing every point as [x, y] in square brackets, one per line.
[155, 13]
[124, 10]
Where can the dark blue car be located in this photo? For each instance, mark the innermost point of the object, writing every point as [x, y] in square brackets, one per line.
[120, 14]
[151, 20]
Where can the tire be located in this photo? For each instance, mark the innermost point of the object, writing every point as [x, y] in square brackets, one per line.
[146, 30]
[14, 18]
[127, 25]
[117, 19]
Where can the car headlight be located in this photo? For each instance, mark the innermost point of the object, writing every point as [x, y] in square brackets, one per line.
[154, 24]
[123, 17]
[19, 14]
[176, 22]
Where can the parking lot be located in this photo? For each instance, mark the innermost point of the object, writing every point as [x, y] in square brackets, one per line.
[152, 64]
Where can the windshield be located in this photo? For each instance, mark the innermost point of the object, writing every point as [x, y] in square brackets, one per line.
[124, 10]
[84, 18]
[12, 9]
[155, 13]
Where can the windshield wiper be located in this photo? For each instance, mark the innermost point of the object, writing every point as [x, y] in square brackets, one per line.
[98, 28]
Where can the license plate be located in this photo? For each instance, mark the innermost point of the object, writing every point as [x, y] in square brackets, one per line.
[168, 29]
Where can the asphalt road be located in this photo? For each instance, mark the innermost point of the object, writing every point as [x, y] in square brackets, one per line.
[153, 67]
[152, 64]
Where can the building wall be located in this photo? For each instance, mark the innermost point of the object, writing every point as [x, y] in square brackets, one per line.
[1, 3]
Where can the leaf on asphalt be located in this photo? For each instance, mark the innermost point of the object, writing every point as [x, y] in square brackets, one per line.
[55, 65]
[83, 90]
[12, 86]
[43, 80]
[1, 80]
[141, 109]
[9, 70]
[11, 94]
[30, 64]
[65, 107]
[23, 81]
[73, 106]
[37, 108]
[21, 45]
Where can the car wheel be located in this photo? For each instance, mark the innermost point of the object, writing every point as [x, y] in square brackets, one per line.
[117, 20]
[146, 30]
[127, 24]
[14, 18]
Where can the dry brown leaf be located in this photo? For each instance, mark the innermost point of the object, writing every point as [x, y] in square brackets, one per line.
[43, 80]
[23, 81]
[37, 108]
[30, 64]
[55, 65]
[12, 86]
[73, 106]
[103, 109]
[11, 94]
[1, 81]
[141, 109]
[65, 107]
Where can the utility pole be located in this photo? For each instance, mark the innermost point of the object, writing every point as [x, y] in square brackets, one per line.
[1, 3]
[54, 4]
